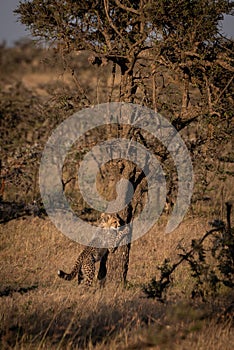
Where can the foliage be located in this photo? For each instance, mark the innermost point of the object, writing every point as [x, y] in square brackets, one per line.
[207, 277]
[156, 288]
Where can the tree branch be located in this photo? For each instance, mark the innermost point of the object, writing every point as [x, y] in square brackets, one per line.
[128, 9]
[106, 6]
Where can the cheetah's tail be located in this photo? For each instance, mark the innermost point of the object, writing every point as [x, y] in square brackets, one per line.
[66, 276]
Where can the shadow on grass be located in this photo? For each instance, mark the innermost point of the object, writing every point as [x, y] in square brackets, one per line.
[63, 327]
[8, 291]
[87, 322]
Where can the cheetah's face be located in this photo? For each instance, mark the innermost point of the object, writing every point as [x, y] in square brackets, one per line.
[114, 222]
[108, 221]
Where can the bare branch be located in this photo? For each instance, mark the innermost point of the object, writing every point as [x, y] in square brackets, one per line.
[106, 5]
[225, 88]
[128, 9]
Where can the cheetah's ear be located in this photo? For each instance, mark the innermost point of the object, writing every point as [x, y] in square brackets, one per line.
[107, 217]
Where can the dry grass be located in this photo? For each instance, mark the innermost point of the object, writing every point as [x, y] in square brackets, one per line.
[40, 311]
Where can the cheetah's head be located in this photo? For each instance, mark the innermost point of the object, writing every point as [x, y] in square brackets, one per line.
[109, 221]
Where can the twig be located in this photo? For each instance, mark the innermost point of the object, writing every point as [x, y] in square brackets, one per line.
[106, 5]
[128, 9]
[225, 88]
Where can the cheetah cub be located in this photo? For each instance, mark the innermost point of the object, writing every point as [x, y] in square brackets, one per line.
[85, 264]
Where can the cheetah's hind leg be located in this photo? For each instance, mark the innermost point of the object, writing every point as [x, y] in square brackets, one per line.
[89, 270]
[80, 276]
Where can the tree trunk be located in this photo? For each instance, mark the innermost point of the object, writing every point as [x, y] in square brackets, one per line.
[115, 265]
[128, 87]
[185, 95]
